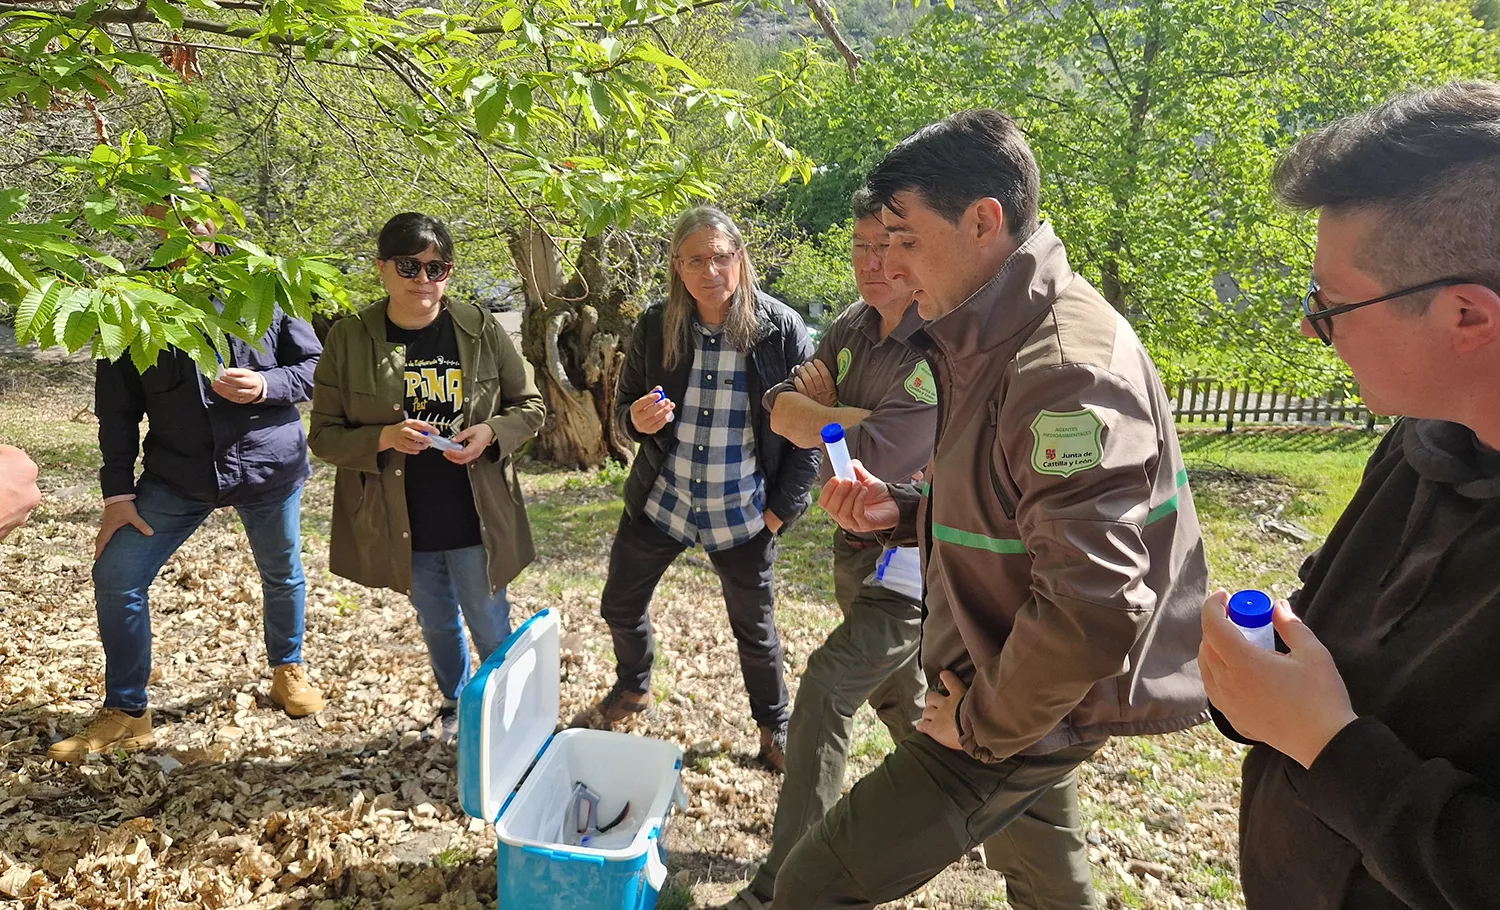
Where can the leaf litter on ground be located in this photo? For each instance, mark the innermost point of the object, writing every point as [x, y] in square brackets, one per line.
[237, 805]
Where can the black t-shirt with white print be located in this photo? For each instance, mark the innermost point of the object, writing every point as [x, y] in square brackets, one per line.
[439, 500]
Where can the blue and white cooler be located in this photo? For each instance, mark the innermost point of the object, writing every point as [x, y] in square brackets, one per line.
[516, 773]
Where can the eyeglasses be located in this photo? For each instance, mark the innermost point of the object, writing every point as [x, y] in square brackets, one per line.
[862, 249]
[408, 267]
[1320, 315]
[720, 261]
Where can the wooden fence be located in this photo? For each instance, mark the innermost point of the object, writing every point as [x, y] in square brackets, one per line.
[1203, 399]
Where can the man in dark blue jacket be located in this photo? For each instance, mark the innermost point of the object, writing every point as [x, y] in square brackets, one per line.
[232, 440]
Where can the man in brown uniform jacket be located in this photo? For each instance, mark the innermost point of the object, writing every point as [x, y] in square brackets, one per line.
[1062, 553]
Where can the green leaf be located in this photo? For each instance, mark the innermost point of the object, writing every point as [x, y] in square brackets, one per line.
[600, 99]
[234, 210]
[248, 246]
[166, 12]
[262, 297]
[99, 212]
[512, 19]
[171, 250]
[115, 338]
[490, 108]
[12, 202]
[104, 259]
[521, 97]
[653, 54]
[36, 309]
[144, 352]
[81, 326]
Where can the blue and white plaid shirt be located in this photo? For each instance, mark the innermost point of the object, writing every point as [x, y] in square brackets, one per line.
[710, 490]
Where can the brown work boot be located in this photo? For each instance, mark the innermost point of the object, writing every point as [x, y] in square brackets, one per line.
[773, 748]
[614, 707]
[291, 691]
[112, 729]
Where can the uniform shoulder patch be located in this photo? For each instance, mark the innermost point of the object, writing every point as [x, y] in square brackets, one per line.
[845, 359]
[1067, 442]
[920, 385]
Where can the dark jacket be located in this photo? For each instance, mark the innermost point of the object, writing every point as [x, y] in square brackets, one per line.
[1402, 808]
[360, 389]
[781, 343]
[200, 445]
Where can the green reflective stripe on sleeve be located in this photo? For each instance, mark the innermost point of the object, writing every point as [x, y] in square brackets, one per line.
[1170, 506]
[977, 541]
[1162, 511]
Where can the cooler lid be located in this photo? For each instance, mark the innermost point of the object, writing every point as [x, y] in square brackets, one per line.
[507, 714]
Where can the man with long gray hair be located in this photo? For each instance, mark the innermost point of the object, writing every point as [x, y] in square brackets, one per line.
[709, 471]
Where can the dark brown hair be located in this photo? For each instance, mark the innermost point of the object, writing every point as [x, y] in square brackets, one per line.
[969, 156]
[1428, 163]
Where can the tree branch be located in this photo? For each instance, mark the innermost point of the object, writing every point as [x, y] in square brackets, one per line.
[1109, 50]
[275, 106]
[320, 61]
[662, 39]
[166, 105]
[824, 15]
[357, 146]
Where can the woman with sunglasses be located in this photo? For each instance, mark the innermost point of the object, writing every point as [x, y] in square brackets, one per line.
[420, 401]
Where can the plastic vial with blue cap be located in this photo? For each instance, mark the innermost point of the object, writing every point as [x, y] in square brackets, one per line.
[838, 451]
[1250, 611]
[662, 396]
[443, 444]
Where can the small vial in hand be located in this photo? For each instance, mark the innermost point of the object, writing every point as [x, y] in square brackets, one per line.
[662, 396]
[838, 451]
[443, 444]
[1250, 611]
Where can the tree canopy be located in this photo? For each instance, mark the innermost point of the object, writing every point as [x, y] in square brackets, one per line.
[560, 117]
[1156, 125]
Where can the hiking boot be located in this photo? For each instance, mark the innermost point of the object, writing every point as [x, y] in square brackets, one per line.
[291, 691]
[444, 727]
[773, 748]
[112, 729]
[614, 707]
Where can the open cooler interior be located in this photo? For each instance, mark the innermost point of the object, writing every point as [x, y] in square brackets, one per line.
[618, 767]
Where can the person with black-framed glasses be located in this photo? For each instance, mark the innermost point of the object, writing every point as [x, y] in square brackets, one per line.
[420, 402]
[709, 471]
[1372, 780]
[1320, 313]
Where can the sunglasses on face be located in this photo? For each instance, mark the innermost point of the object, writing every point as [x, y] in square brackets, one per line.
[409, 267]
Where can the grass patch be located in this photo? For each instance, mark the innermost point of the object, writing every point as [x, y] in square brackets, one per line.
[1325, 468]
[1240, 481]
[871, 741]
[804, 561]
[675, 896]
[453, 857]
[1214, 880]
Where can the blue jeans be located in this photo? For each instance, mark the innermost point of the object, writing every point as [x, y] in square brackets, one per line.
[124, 571]
[442, 582]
